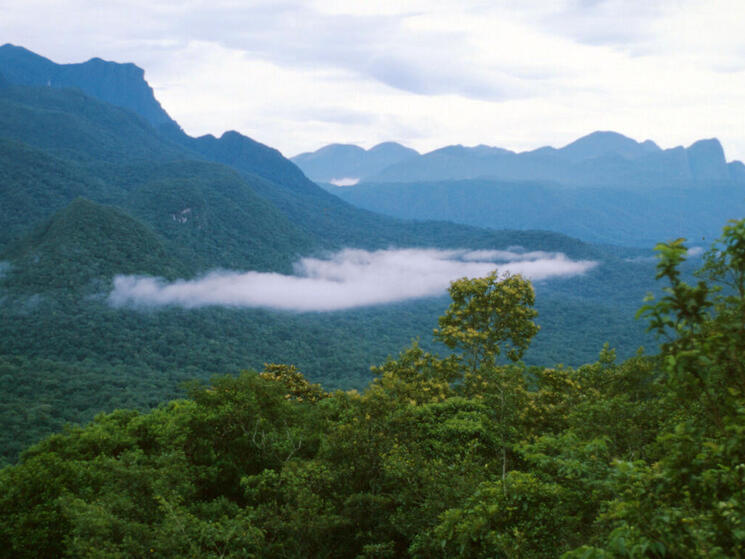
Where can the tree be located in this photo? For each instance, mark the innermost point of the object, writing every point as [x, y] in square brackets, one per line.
[531, 522]
[690, 502]
[489, 314]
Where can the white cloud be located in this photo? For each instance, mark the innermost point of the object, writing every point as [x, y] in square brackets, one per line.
[511, 254]
[345, 181]
[350, 278]
[695, 251]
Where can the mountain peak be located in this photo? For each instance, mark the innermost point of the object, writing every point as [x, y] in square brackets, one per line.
[246, 154]
[459, 150]
[452, 149]
[349, 161]
[712, 144]
[706, 159]
[339, 149]
[9, 49]
[123, 85]
[128, 68]
[606, 142]
[392, 147]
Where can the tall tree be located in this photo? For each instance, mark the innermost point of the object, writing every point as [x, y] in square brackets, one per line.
[488, 315]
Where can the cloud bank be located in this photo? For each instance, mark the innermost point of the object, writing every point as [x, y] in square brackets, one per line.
[350, 278]
[345, 181]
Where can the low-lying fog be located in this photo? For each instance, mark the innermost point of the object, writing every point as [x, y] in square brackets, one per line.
[349, 278]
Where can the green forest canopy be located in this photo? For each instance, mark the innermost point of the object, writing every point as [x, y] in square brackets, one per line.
[438, 457]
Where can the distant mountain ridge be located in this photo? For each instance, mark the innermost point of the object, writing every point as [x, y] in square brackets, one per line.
[601, 188]
[607, 214]
[598, 144]
[600, 158]
[346, 161]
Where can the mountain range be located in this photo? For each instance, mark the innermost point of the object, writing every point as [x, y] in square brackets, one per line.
[598, 159]
[336, 162]
[602, 188]
[118, 157]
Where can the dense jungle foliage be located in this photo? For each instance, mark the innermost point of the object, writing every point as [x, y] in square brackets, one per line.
[64, 358]
[463, 455]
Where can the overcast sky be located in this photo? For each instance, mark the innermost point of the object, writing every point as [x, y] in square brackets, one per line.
[519, 74]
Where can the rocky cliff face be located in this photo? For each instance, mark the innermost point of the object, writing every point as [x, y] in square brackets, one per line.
[123, 85]
[707, 162]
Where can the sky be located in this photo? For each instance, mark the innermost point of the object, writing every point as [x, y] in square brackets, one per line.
[343, 280]
[298, 75]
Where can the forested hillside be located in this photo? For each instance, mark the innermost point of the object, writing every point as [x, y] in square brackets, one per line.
[440, 456]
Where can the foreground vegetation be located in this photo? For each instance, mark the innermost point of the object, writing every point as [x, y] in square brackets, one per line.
[457, 456]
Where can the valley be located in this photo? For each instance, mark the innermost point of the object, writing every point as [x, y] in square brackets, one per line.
[92, 190]
[493, 307]
[98, 182]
